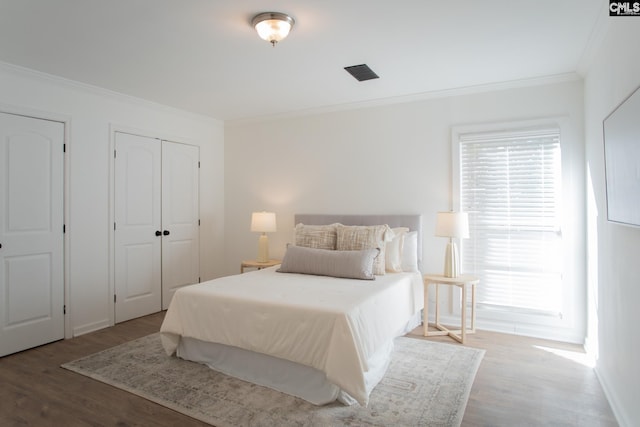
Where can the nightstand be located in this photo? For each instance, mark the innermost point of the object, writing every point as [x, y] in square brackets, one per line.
[257, 264]
[461, 281]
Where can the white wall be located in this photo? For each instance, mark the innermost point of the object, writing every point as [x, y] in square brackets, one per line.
[91, 112]
[614, 270]
[389, 159]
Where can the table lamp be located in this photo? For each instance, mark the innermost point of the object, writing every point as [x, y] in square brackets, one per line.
[263, 222]
[452, 225]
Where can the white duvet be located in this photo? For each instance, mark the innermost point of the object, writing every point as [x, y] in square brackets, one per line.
[334, 325]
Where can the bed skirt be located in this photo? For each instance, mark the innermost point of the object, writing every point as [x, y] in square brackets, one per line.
[283, 375]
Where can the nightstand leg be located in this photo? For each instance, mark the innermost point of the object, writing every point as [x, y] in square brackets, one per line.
[425, 312]
[437, 307]
[463, 330]
[473, 307]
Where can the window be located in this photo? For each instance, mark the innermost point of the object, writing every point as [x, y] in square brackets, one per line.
[510, 184]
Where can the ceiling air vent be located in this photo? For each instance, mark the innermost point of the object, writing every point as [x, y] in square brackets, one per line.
[361, 72]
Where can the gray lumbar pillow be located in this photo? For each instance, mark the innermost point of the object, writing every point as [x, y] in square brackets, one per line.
[322, 262]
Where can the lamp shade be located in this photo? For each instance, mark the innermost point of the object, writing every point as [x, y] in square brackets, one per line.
[452, 224]
[263, 222]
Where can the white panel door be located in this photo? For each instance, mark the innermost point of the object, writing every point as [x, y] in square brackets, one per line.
[180, 218]
[31, 232]
[138, 224]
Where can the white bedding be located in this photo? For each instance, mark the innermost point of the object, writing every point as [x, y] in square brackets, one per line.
[333, 325]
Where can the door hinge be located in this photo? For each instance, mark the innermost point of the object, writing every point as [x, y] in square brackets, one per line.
[114, 154]
[64, 228]
[64, 309]
[114, 225]
[198, 280]
[114, 298]
[64, 148]
[198, 223]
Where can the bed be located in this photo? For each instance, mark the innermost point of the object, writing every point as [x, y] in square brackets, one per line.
[315, 336]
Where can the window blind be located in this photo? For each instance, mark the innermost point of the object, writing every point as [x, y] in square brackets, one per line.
[511, 188]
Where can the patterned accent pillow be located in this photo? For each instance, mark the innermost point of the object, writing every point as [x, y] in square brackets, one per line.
[358, 237]
[316, 236]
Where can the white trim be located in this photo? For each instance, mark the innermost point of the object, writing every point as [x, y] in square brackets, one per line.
[616, 407]
[436, 94]
[564, 329]
[596, 38]
[102, 92]
[160, 136]
[523, 329]
[91, 327]
[66, 122]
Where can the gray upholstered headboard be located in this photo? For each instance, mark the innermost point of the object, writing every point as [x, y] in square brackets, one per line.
[414, 222]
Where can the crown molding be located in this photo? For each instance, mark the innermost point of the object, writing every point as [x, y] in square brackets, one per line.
[24, 72]
[445, 93]
[596, 38]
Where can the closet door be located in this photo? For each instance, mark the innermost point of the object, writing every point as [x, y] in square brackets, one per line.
[31, 232]
[157, 248]
[138, 226]
[180, 218]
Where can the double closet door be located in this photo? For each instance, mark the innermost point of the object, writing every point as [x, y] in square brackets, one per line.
[156, 229]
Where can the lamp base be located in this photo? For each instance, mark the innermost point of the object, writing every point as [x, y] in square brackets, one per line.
[451, 260]
[263, 248]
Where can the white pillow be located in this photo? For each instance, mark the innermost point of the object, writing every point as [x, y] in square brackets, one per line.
[394, 249]
[410, 252]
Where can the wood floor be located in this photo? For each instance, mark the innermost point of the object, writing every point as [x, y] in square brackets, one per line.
[521, 382]
[532, 382]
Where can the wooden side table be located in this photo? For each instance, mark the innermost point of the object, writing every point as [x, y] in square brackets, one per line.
[461, 281]
[257, 264]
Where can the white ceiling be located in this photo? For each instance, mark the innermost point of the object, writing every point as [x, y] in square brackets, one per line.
[203, 56]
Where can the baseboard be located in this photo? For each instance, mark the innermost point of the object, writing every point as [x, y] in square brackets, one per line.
[617, 409]
[90, 327]
[534, 331]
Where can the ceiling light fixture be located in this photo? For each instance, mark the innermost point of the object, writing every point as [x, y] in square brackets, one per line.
[272, 26]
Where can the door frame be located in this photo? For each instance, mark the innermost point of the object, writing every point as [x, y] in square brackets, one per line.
[161, 136]
[66, 266]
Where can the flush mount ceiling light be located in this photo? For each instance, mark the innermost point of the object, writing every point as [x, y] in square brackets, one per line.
[272, 26]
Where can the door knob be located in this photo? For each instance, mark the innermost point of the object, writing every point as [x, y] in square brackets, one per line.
[166, 232]
[158, 233]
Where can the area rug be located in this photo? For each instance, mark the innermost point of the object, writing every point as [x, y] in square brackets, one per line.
[427, 384]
